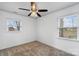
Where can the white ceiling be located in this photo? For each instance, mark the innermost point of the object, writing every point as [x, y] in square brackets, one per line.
[51, 6]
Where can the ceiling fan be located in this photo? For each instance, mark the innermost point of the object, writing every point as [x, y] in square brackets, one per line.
[34, 10]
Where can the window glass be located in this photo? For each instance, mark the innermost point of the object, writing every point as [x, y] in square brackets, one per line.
[68, 27]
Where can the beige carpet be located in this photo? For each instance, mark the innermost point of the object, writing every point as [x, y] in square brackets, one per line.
[33, 49]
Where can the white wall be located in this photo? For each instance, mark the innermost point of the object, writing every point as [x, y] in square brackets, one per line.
[48, 31]
[10, 39]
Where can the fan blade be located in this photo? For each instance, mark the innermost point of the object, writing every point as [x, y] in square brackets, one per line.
[24, 9]
[29, 14]
[42, 10]
[38, 14]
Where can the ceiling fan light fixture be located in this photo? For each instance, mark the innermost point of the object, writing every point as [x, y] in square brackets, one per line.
[33, 14]
[33, 7]
[34, 10]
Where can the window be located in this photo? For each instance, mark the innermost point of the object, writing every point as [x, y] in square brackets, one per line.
[68, 27]
[13, 25]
